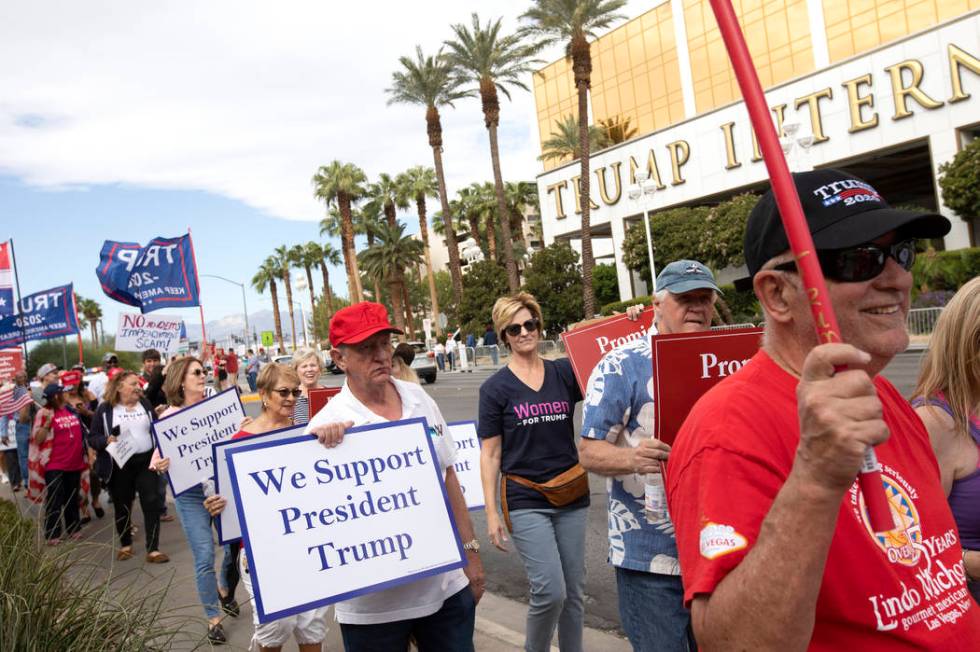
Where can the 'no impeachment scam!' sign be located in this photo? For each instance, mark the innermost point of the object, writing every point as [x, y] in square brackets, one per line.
[141, 332]
[468, 462]
[186, 437]
[587, 344]
[321, 525]
[686, 365]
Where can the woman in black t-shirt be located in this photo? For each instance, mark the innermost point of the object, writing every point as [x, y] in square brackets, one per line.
[528, 438]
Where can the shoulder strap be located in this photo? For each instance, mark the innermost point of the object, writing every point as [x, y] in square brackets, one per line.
[919, 401]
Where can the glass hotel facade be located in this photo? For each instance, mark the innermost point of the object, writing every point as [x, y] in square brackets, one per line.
[888, 89]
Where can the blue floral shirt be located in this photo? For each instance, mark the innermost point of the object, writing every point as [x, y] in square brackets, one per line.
[619, 408]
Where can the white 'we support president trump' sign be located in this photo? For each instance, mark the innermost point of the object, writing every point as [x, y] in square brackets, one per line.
[321, 525]
[186, 437]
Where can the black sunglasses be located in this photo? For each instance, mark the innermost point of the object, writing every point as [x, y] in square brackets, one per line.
[860, 263]
[284, 393]
[197, 372]
[530, 326]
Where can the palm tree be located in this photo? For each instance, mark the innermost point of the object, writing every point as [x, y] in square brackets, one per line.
[574, 22]
[266, 275]
[343, 183]
[521, 195]
[418, 183]
[387, 196]
[284, 259]
[92, 312]
[393, 252]
[494, 63]
[306, 258]
[432, 82]
[328, 256]
[563, 142]
[617, 129]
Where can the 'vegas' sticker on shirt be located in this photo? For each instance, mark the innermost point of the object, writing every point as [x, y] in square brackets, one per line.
[718, 540]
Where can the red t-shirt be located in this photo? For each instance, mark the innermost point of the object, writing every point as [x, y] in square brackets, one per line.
[231, 362]
[241, 434]
[732, 456]
[66, 442]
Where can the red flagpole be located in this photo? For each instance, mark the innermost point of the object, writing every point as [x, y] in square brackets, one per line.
[74, 305]
[797, 231]
[200, 304]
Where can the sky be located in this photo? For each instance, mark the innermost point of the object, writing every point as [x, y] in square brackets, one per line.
[127, 121]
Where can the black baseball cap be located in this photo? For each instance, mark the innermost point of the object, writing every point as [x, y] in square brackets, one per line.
[841, 210]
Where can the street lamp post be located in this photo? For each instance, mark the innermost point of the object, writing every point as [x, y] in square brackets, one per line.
[790, 143]
[244, 304]
[644, 186]
[302, 318]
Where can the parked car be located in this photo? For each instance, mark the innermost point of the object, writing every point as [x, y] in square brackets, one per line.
[424, 363]
[282, 359]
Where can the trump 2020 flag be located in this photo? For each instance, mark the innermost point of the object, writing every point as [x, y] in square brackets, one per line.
[6, 281]
[40, 316]
[160, 275]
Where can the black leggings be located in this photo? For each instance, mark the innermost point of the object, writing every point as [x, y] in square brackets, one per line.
[61, 500]
[134, 477]
[233, 575]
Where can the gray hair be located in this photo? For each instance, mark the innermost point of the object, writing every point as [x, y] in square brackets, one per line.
[303, 354]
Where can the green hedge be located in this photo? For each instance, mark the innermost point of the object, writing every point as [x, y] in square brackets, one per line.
[743, 306]
[944, 270]
[621, 306]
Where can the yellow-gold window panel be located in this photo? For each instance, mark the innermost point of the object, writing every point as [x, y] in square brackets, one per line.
[856, 26]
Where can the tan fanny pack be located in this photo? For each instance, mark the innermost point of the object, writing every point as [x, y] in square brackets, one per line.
[563, 489]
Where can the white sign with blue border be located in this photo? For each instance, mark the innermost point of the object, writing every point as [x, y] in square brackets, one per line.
[186, 437]
[321, 525]
[229, 529]
[468, 462]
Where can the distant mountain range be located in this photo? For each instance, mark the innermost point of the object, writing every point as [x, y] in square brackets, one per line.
[221, 330]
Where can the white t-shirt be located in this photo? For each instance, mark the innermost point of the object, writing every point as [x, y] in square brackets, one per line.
[422, 597]
[97, 384]
[137, 422]
[451, 346]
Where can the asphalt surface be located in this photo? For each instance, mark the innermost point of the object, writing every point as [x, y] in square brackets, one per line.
[457, 395]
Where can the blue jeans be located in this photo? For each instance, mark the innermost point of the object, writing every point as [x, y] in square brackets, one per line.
[197, 528]
[252, 377]
[448, 630]
[23, 448]
[494, 354]
[441, 361]
[651, 607]
[552, 545]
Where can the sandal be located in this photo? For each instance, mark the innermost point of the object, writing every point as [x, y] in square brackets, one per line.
[124, 554]
[216, 634]
[157, 557]
[230, 605]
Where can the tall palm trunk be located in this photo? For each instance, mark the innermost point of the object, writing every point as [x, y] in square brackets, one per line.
[491, 117]
[274, 292]
[397, 307]
[424, 232]
[309, 282]
[95, 333]
[354, 289]
[289, 300]
[377, 283]
[491, 238]
[473, 219]
[327, 292]
[434, 129]
[582, 67]
[397, 273]
[409, 317]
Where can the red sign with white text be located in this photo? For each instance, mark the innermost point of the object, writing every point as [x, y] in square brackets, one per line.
[11, 362]
[319, 397]
[687, 365]
[585, 346]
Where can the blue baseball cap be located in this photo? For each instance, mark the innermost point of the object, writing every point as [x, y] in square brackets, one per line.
[685, 275]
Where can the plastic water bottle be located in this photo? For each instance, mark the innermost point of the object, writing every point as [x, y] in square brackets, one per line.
[654, 498]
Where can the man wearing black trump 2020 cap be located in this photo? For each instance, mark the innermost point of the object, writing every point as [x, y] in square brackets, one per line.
[775, 544]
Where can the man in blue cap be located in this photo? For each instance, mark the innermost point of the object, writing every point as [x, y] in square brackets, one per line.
[617, 442]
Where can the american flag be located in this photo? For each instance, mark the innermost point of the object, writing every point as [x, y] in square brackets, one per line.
[10, 405]
[6, 281]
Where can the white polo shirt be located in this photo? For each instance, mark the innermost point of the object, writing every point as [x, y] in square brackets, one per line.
[422, 597]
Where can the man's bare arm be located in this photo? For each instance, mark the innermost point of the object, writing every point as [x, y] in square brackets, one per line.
[600, 456]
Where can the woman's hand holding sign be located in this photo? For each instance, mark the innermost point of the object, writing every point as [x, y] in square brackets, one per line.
[215, 504]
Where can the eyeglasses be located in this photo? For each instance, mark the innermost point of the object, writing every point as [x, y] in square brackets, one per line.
[284, 393]
[860, 263]
[530, 326]
[196, 372]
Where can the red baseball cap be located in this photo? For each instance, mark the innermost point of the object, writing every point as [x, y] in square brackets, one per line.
[356, 323]
[70, 378]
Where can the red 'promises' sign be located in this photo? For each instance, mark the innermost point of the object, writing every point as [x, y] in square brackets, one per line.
[687, 365]
[319, 397]
[11, 362]
[586, 345]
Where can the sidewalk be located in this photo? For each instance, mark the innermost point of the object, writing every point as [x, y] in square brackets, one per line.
[499, 621]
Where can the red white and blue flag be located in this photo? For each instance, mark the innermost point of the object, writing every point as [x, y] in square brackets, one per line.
[6, 281]
[10, 405]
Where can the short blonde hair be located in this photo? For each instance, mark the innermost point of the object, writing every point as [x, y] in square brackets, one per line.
[506, 307]
[304, 353]
[952, 363]
[274, 373]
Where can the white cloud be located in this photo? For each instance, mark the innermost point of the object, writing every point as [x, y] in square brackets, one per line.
[243, 99]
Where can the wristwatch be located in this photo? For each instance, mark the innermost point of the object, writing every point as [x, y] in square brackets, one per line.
[472, 546]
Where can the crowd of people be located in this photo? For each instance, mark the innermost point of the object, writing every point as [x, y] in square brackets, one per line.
[756, 537]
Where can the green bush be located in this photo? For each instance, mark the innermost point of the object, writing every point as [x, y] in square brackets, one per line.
[56, 599]
[605, 284]
[621, 306]
[58, 352]
[744, 306]
[959, 181]
[944, 270]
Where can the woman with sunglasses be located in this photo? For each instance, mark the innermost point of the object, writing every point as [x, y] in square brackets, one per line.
[185, 385]
[278, 386]
[947, 398]
[528, 442]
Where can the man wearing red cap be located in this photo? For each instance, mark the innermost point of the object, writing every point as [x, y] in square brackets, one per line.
[437, 611]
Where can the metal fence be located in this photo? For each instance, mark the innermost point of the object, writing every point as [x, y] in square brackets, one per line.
[922, 321]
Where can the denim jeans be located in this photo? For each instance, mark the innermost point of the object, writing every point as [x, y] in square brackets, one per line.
[494, 354]
[441, 361]
[23, 448]
[448, 630]
[197, 528]
[252, 378]
[552, 545]
[651, 607]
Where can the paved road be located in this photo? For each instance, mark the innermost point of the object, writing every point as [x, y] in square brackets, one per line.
[457, 395]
